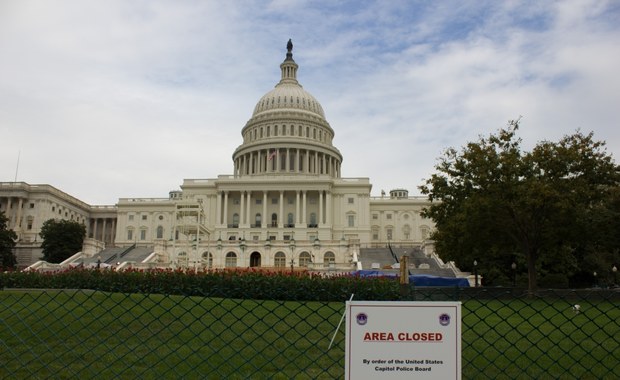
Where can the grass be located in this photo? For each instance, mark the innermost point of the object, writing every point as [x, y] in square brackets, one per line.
[541, 339]
[91, 334]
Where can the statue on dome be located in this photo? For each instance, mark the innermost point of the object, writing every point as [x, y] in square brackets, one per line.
[289, 45]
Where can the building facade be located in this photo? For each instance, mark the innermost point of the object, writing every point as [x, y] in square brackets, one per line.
[285, 203]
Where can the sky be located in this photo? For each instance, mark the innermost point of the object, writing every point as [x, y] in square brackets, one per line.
[123, 99]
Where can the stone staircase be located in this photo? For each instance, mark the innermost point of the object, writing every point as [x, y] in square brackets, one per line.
[419, 263]
[120, 254]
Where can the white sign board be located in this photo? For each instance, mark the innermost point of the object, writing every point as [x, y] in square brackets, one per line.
[403, 340]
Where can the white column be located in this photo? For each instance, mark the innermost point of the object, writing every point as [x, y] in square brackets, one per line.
[320, 207]
[328, 208]
[241, 208]
[297, 166]
[248, 202]
[218, 209]
[281, 218]
[297, 220]
[95, 230]
[8, 213]
[304, 202]
[18, 221]
[265, 219]
[316, 163]
[113, 238]
[225, 218]
[105, 226]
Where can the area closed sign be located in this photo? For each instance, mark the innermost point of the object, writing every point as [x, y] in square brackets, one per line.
[403, 340]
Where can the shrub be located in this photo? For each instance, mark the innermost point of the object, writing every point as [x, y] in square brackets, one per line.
[243, 283]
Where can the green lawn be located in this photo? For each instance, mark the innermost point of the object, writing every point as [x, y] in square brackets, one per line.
[88, 334]
[541, 339]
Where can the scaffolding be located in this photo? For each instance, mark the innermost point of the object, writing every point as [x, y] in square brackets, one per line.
[189, 233]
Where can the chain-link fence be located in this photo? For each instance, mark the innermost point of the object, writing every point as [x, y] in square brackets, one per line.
[83, 334]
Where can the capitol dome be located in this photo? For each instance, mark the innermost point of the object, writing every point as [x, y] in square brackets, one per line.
[287, 133]
[286, 96]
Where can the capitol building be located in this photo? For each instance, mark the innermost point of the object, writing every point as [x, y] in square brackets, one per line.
[286, 204]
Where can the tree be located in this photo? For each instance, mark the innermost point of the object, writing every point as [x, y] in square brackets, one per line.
[494, 203]
[61, 239]
[7, 243]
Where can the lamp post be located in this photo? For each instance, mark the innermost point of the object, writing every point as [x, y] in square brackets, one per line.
[514, 274]
[476, 273]
[614, 270]
[595, 282]
[292, 246]
[99, 262]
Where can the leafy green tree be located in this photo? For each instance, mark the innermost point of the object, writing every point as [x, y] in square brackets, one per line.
[61, 239]
[7, 243]
[497, 204]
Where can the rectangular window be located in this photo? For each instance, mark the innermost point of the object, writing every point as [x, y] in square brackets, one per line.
[287, 237]
[351, 220]
[375, 216]
[130, 217]
[259, 201]
[350, 201]
[142, 234]
[389, 234]
[143, 217]
[236, 201]
[32, 205]
[388, 216]
[274, 201]
[129, 234]
[375, 236]
[291, 201]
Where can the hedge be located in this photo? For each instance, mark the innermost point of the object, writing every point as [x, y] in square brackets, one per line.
[243, 283]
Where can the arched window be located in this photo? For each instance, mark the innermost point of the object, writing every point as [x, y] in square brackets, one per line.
[182, 259]
[304, 259]
[235, 220]
[274, 220]
[130, 234]
[328, 259]
[231, 260]
[407, 231]
[258, 220]
[290, 219]
[424, 231]
[255, 259]
[351, 219]
[207, 260]
[279, 260]
[160, 232]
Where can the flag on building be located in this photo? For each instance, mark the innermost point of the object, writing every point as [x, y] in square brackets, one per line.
[272, 154]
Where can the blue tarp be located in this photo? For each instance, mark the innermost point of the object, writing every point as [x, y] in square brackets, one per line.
[417, 279]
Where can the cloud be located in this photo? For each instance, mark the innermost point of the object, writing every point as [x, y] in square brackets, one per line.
[126, 99]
